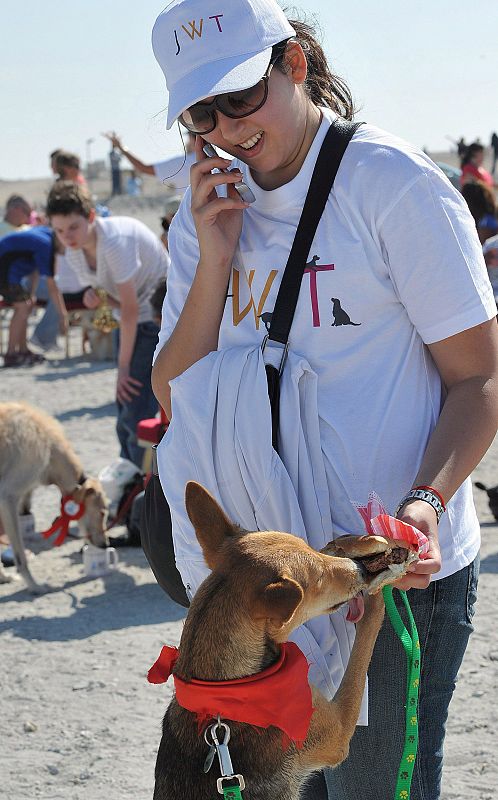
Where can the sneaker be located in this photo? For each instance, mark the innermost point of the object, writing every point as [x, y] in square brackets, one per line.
[8, 557]
[45, 347]
[13, 360]
[31, 358]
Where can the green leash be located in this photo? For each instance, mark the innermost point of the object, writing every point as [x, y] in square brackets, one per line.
[411, 644]
[232, 793]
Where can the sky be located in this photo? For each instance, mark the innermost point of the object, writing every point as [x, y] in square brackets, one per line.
[425, 71]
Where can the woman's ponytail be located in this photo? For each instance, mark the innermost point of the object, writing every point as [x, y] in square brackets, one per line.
[322, 87]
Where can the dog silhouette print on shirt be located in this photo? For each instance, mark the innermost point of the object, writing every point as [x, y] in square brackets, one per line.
[266, 318]
[340, 316]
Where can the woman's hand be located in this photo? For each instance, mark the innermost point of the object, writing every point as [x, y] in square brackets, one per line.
[91, 299]
[218, 223]
[218, 220]
[113, 138]
[126, 386]
[422, 516]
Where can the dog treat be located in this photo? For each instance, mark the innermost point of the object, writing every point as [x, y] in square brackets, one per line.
[379, 555]
[377, 563]
[360, 547]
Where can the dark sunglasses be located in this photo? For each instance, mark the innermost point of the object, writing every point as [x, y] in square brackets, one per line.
[201, 117]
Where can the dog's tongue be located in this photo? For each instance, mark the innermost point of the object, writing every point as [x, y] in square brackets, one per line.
[356, 608]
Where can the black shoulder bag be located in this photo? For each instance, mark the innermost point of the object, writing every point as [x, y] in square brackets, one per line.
[329, 158]
[155, 526]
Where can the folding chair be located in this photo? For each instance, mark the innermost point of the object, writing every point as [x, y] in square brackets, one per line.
[149, 432]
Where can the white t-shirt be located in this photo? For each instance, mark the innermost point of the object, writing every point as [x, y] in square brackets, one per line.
[175, 171]
[126, 249]
[66, 278]
[395, 264]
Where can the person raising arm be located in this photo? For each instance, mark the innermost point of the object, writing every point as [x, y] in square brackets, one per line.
[173, 171]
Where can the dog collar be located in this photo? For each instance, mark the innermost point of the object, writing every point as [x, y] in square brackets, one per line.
[280, 695]
[70, 510]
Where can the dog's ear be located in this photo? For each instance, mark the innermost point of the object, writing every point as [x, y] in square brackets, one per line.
[211, 524]
[83, 490]
[279, 601]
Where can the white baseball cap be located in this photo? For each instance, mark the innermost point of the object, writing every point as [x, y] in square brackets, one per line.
[209, 47]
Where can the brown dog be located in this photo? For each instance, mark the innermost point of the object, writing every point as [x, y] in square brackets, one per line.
[262, 586]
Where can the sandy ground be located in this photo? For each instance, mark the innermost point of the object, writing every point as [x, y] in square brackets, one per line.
[77, 717]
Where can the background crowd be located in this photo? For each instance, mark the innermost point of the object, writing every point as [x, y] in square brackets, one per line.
[72, 261]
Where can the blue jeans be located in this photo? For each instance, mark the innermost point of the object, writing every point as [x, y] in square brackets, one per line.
[47, 328]
[143, 405]
[443, 613]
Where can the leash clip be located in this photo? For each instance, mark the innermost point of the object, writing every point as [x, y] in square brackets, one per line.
[221, 746]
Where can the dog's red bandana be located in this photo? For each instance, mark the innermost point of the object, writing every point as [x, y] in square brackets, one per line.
[70, 509]
[280, 695]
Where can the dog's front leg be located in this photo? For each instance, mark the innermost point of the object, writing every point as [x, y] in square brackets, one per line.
[333, 723]
[5, 577]
[8, 512]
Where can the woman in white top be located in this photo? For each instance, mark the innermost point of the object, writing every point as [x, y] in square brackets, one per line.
[395, 318]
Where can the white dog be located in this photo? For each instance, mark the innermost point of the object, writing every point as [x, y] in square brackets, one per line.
[34, 451]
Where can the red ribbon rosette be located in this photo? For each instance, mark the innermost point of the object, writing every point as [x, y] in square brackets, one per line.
[70, 510]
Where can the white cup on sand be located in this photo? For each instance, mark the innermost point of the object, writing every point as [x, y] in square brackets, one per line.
[98, 561]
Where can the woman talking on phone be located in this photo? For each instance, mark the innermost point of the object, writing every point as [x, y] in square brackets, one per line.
[394, 334]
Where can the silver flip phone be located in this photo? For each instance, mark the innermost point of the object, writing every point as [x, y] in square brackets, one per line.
[243, 191]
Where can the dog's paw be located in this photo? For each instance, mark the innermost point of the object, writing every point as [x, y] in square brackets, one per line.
[39, 588]
[36, 588]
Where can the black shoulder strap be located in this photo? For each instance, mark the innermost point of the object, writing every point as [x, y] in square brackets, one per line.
[329, 158]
